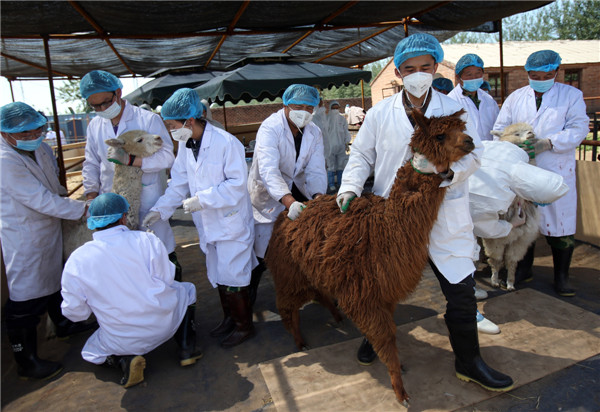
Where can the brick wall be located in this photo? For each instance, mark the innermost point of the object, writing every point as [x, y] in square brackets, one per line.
[256, 113]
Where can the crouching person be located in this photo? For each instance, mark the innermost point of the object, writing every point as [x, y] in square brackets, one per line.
[211, 169]
[126, 280]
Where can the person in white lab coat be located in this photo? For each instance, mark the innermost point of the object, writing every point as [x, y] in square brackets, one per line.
[209, 176]
[557, 113]
[382, 145]
[115, 116]
[481, 107]
[31, 208]
[337, 138]
[321, 119]
[288, 167]
[124, 277]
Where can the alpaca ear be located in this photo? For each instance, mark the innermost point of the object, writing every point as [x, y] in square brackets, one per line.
[459, 114]
[420, 119]
[496, 133]
[115, 142]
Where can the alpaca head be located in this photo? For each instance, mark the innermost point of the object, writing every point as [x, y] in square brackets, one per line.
[442, 140]
[515, 133]
[137, 142]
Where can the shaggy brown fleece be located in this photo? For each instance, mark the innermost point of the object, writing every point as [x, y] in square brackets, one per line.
[372, 256]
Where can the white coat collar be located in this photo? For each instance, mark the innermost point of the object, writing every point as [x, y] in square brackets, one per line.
[103, 234]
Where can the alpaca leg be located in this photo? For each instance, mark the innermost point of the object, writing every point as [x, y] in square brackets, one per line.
[511, 268]
[326, 301]
[378, 325]
[496, 265]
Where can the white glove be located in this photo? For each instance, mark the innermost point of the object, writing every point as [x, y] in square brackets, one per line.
[191, 204]
[295, 209]
[518, 219]
[343, 200]
[422, 165]
[151, 218]
[119, 156]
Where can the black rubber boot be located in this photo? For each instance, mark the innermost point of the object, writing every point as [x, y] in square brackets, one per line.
[524, 271]
[255, 280]
[227, 324]
[24, 346]
[366, 355]
[186, 338]
[64, 327]
[133, 370]
[468, 362]
[241, 312]
[562, 262]
[178, 268]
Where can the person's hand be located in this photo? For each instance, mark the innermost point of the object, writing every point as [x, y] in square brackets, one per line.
[295, 209]
[343, 200]
[151, 218]
[191, 204]
[422, 165]
[518, 219]
[119, 156]
[534, 146]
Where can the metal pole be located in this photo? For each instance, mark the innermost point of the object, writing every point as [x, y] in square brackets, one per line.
[502, 85]
[224, 117]
[62, 176]
[362, 89]
[12, 93]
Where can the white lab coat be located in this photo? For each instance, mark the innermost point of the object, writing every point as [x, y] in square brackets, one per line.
[562, 119]
[275, 168]
[484, 117]
[98, 172]
[218, 178]
[126, 279]
[30, 212]
[320, 120]
[337, 137]
[382, 146]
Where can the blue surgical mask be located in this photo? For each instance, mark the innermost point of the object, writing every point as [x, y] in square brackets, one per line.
[541, 86]
[30, 145]
[472, 85]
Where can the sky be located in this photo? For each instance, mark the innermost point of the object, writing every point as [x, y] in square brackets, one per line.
[36, 93]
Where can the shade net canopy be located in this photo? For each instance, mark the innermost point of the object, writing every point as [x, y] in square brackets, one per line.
[268, 80]
[140, 37]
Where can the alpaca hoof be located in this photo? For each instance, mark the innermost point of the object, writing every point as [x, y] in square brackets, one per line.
[507, 286]
[495, 284]
[405, 404]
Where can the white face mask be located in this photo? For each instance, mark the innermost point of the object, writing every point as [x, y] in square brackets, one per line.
[300, 118]
[417, 83]
[183, 134]
[335, 111]
[112, 112]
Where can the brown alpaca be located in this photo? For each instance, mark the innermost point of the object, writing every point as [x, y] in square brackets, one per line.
[372, 256]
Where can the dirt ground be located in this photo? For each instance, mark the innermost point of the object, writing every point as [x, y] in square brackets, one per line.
[231, 380]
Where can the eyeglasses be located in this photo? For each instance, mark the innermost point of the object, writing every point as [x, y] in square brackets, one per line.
[104, 105]
[28, 135]
[304, 107]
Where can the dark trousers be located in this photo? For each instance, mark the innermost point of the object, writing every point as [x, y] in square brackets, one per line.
[27, 314]
[461, 305]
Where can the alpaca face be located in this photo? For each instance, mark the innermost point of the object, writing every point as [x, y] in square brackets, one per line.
[137, 142]
[441, 139]
[515, 133]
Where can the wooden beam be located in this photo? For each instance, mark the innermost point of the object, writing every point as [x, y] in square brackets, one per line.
[37, 66]
[321, 23]
[230, 28]
[103, 35]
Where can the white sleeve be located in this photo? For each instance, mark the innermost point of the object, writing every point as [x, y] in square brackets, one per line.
[164, 158]
[178, 188]
[576, 125]
[268, 158]
[91, 164]
[316, 174]
[468, 164]
[74, 305]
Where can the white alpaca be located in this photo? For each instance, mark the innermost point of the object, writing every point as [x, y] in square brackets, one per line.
[127, 182]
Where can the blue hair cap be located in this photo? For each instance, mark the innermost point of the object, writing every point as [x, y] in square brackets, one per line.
[415, 45]
[442, 83]
[106, 209]
[468, 60]
[543, 61]
[183, 104]
[301, 94]
[20, 117]
[98, 81]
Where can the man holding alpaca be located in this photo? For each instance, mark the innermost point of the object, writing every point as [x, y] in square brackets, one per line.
[382, 145]
[115, 116]
[558, 115]
[288, 167]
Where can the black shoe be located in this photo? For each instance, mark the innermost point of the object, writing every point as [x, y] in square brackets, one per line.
[133, 370]
[24, 346]
[562, 263]
[186, 338]
[178, 268]
[366, 355]
[241, 313]
[227, 324]
[469, 365]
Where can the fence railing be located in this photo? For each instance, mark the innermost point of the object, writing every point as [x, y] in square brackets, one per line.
[594, 143]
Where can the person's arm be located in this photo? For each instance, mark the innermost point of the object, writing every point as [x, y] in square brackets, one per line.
[178, 188]
[316, 174]
[266, 153]
[74, 305]
[576, 125]
[91, 166]
[162, 159]
[159, 265]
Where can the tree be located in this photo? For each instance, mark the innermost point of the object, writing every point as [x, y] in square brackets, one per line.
[563, 20]
[69, 93]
